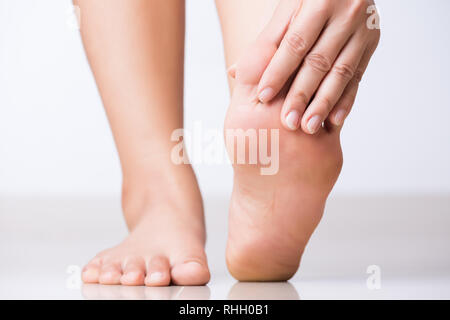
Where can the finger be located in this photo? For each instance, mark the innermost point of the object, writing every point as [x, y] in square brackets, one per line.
[299, 39]
[254, 61]
[314, 68]
[334, 83]
[344, 104]
[343, 107]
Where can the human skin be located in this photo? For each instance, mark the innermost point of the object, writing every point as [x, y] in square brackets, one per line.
[135, 49]
[323, 50]
[136, 52]
[272, 217]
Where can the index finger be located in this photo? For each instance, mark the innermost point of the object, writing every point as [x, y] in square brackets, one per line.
[254, 61]
[299, 39]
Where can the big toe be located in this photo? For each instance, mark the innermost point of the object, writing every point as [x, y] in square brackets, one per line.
[190, 273]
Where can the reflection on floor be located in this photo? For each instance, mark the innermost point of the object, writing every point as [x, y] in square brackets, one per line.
[100, 292]
[263, 291]
[239, 291]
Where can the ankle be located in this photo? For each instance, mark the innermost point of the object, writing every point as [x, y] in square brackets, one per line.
[174, 190]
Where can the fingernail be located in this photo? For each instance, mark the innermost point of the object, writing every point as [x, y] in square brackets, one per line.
[232, 71]
[293, 120]
[314, 124]
[340, 117]
[265, 95]
[156, 276]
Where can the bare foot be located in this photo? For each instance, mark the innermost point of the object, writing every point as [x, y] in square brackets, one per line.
[167, 236]
[273, 216]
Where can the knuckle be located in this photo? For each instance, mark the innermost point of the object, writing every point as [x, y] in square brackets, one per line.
[358, 7]
[355, 12]
[326, 102]
[324, 4]
[321, 11]
[377, 36]
[358, 75]
[296, 43]
[344, 71]
[373, 40]
[300, 97]
[318, 62]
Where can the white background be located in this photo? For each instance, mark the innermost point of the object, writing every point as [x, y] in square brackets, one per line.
[54, 137]
[55, 142]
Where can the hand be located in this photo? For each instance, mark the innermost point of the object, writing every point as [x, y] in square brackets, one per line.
[324, 50]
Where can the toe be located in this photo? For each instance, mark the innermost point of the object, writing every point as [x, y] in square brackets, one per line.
[190, 273]
[133, 272]
[110, 273]
[158, 272]
[91, 271]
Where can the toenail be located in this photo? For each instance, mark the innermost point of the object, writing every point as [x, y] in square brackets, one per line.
[293, 120]
[90, 274]
[132, 275]
[314, 124]
[156, 276]
[340, 117]
[265, 95]
[108, 274]
[89, 271]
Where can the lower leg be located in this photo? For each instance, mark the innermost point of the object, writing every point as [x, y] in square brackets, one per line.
[136, 51]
